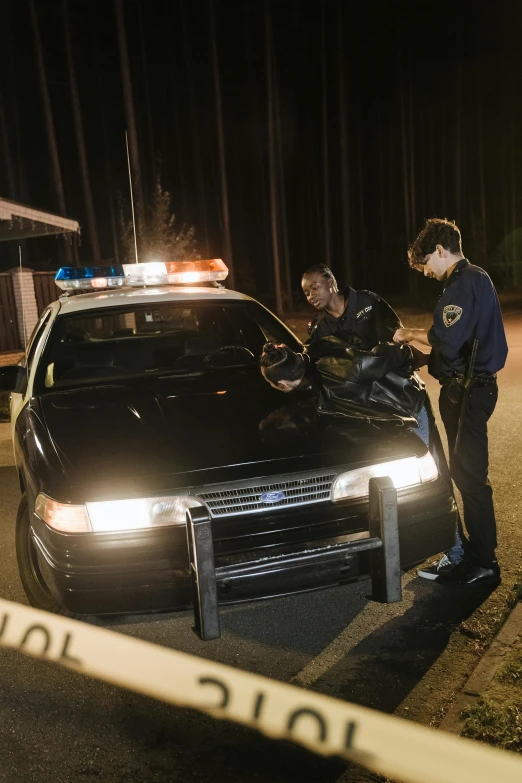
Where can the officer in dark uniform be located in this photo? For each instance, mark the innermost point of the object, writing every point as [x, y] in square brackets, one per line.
[468, 310]
[364, 319]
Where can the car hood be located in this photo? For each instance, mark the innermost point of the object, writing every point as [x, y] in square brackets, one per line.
[164, 434]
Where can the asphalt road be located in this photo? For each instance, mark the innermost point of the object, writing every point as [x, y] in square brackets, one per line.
[58, 726]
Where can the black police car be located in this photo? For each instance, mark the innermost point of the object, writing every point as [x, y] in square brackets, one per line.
[143, 398]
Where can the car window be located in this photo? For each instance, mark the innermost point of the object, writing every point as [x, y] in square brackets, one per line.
[271, 327]
[160, 338]
[35, 338]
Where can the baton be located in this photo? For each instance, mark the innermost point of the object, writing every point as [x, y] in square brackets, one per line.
[468, 380]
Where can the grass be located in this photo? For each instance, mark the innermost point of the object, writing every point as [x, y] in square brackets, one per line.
[494, 723]
[511, 672]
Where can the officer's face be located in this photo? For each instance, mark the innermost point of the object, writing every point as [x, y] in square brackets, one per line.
[435, 265]
[284, 386]
[318, 290]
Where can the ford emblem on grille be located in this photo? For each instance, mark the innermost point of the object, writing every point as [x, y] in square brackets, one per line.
[272, 497]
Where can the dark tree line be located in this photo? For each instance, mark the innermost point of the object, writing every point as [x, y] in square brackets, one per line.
[287, 134]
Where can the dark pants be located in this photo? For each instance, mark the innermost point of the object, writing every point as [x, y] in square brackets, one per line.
[469, 468]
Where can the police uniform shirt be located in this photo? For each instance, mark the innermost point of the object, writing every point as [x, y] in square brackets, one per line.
[467, 309]
[366, 321]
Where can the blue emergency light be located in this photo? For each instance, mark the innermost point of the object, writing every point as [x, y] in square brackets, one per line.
[87, 278]
[95, 278]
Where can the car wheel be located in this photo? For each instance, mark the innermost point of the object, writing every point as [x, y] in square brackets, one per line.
[33, 582]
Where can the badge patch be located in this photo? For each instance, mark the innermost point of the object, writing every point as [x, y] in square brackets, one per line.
[451, 314]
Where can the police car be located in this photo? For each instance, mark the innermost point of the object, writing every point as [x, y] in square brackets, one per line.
[140, 397]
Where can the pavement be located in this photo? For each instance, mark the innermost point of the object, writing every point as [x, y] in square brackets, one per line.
[412, 658]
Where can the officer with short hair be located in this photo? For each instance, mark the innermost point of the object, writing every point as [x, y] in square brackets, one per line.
[468, 311]
[364, 319]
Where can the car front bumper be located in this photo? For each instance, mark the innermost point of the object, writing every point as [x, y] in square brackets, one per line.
[275, 554]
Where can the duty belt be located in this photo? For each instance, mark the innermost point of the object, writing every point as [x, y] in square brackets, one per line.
[482, 379]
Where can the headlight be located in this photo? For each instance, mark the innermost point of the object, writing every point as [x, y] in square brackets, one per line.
[113, 515]
[403, 472]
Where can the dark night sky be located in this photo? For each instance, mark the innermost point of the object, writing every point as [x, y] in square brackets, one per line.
[454, 67]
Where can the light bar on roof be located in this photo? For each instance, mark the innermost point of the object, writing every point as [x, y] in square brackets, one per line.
[175, 272]
[196, 271]
[88, 278]
[156, 273]
[150, 273]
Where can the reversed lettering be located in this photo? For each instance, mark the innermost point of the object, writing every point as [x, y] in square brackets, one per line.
[225, 695]
[5, 620]
[297, 714]
[64, 655]
[41, 629]
[258, 704]
[348, 737]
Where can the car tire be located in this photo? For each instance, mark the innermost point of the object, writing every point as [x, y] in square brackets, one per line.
[37, 592]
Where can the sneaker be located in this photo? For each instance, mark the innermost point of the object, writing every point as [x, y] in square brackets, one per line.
[472, 574]
[441, 567]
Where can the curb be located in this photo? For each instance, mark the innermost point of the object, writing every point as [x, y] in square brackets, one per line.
[485, 671]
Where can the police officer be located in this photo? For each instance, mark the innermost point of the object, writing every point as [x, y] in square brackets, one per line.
[468, 310]
[363, 317]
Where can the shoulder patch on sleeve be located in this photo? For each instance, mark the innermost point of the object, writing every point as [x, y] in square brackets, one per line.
[451, 314]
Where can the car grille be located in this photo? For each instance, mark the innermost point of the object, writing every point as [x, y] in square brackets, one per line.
[246, 499]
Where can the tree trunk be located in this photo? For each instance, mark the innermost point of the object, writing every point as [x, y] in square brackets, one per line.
[382, 179]
[80, 139]
[137, 183]
[272, 169]
[182, 178]
[221, 146]
[405, 172]
[49, 121]
[12, 102]
[326, 177]
[407, 176]
[482, 189]
[433, 196]
[8, 160]
[443, 171]
[345, 172]
[513, 189]
[196, 141]
[458, 148]
[411, 147]
[360, 179]
[108, 171]
[285, 256]
[414, 279]
[148, 109]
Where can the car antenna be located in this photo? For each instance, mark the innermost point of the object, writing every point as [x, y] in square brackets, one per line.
[132, 197]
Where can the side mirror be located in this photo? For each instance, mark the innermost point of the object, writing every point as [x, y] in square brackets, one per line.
[13, 378]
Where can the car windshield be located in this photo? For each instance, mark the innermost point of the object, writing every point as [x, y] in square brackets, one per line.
[172, 338]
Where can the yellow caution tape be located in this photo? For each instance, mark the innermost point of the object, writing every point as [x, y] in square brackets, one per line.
[385, 744]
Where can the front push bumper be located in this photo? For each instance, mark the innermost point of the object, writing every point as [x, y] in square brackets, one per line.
[149, 570]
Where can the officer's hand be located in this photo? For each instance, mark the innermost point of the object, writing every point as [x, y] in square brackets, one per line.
[402, 336]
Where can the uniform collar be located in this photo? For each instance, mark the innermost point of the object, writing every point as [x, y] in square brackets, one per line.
[351, 308]
[350, 311]
[460, 265]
